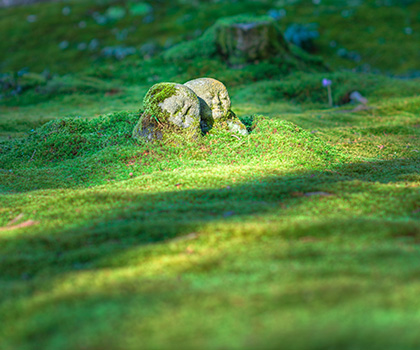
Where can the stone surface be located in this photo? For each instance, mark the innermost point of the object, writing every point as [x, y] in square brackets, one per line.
[213, 96]
[237, 127]
[215, 105]
[168, 108]
[357, 97]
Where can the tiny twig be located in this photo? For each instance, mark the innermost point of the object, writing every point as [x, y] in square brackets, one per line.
[32, 155]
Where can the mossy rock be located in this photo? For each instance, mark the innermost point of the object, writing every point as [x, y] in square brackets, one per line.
[169, 109]
[233, 124]
[215, 106]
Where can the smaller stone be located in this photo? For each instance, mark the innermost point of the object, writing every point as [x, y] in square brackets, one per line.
[82, 46]
[64, 45]
[215, 105]
[31, 18]
[237, 127]
[357, 97]
[66, 11]
[213, 95]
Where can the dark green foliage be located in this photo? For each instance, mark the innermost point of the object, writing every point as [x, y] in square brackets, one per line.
[380, 31]
[14, 84]
[33, 88]
[249, 121]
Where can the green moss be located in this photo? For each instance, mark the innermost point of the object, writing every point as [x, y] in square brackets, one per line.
[81, 152]
[210, 44]
[202, 47]
[114, 230]
[154, 97]
[36, 88]
[269, 241]
[153, 116]
[68, 138]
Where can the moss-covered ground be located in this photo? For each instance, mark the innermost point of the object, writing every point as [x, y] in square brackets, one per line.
[303, 235]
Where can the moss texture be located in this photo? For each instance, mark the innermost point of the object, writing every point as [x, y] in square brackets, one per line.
[153, 115]
[204, 46]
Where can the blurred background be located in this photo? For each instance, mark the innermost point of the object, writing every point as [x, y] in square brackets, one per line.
[85, 58]
[67, 36]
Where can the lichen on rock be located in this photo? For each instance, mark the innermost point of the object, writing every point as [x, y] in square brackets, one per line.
[215, 106]
[168, 109]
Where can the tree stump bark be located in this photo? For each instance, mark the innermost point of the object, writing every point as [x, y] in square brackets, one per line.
[242, 40]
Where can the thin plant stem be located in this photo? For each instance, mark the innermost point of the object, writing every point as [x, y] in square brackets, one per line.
[330, 100]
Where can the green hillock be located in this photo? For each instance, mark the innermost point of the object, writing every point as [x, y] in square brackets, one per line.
[219, 42]
[81, 147]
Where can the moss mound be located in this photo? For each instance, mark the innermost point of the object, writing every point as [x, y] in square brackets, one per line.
[82, 152]
[244, 39]
[69, 138]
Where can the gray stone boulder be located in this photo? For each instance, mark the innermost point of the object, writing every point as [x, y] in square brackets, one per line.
[168, 109]
[215, 106]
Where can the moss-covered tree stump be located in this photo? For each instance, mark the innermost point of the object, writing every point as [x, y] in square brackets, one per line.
[215, 106]
[245, 39]
[168, 109]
